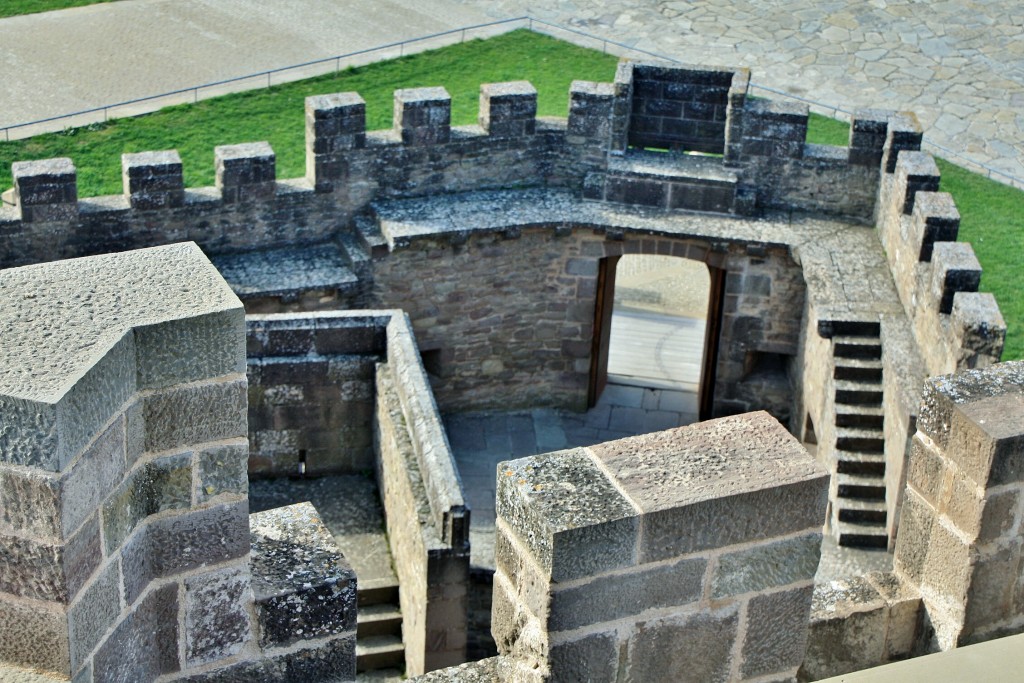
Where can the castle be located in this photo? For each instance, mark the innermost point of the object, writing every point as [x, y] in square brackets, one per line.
[435, 268]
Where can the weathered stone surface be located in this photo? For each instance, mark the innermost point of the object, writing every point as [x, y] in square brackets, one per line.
[168, 545]
[90, 617]
[153, 180]
[709, 638]
[77, 360]
[216, 618]
[245, 172]
[593, 658]
[34, 637]
[941, 394]
[574, 520]
[195, 414]
[767, 566]
[222, 469]
[191, 349]
[145, 644]
[847, 629]
[304, 588]
[162, 484]
[776, 637]
[622, 595]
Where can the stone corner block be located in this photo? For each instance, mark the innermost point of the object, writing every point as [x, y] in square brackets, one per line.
[941, 395]
[304, 588]
[568, 513]
[746, 468]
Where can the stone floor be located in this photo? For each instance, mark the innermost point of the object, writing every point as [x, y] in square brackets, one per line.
[481, 440]
[958, 64]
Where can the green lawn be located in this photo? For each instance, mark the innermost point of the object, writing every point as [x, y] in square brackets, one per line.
[992, 213]
[10, 8]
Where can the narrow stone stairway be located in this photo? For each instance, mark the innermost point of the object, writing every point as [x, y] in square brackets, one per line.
[860, 440]
[350, 508]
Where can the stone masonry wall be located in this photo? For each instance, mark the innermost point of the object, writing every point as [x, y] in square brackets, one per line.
[682, 555]
[508, 319]
[311, 391]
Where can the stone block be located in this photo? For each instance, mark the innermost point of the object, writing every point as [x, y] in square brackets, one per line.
[335, 123]
[593, 658]
[162, 484]
[303, 587]
[423, 116]
[216, 616]
[46, 190]
[245, 172]
[626, 594]
[979, 331]
[591, 108]
[847, 629]
[987, 440]
[91, 616]
[34, 636]
[941, 395]
[49, 570]
[145, 644]
[905, 609]
[222, 469]
[508, 109]
[915, 172]
[934, 218]
[917, 518]
[903, 134]
[166, 546]
[926, 469]
[658, 653]
[153, 180]
[190, 349]
[868, 131]
[195, 414]
[570, 536]
[990, 597]
[955, 269]
[776, 632]
[778, 563]
[717, 483]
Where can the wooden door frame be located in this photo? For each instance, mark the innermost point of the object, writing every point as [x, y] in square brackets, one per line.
[603, 306]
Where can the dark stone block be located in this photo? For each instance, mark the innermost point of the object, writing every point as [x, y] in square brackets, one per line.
[642, 192]
[695, 647]
[776, 634]
[216, 623]
[145, 644]
[593, 659]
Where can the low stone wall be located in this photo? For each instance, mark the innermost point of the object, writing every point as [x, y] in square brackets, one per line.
[427, 520]
[610, 558]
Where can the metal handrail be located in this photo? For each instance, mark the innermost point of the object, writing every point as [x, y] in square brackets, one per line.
[531, 23]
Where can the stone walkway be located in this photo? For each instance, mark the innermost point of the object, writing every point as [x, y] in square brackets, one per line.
[958, 63]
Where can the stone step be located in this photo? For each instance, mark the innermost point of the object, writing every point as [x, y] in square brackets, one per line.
[380, 652]
[860, 486]
[858, 393]
[856, 347]
[377, 593]
[860, 439]
[850, 328]
[852, 462]
[381, 619]
[369, 235]
[858, 369]
[871, 512]
[358, 255]
[863, 536]
[859, 416]
[286, 272]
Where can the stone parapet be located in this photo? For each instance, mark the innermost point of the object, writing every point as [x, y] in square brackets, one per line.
[960, 538]
[423, 116]
[508, 109]
[335, 124]
[686, 554]
[46, 190]
[246, 172]
[153, 180]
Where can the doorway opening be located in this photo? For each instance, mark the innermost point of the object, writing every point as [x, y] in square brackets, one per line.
[656, 326]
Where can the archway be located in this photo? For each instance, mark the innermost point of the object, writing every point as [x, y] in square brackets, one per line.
[656, 326]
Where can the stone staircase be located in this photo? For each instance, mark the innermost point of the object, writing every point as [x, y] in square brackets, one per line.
[379, 646]
[859, 437]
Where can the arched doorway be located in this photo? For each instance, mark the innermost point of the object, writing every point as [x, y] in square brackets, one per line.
[656, 326]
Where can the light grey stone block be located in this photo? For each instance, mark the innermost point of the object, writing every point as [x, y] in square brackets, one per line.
[90, 617]
[216, 617]
[776, 635]
[659, 653]
[195, 414]
[191, 349]
[766, 566]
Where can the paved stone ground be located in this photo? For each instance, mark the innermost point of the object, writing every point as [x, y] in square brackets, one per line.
[481, 440]
[958, 63]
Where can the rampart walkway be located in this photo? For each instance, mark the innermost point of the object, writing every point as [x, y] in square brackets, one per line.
[959, 65]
